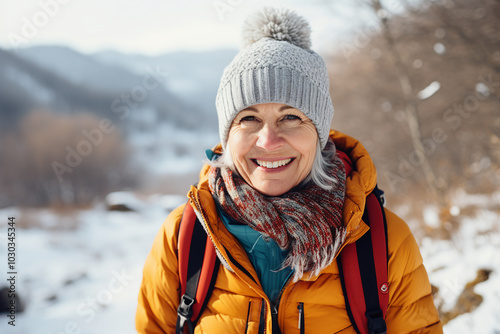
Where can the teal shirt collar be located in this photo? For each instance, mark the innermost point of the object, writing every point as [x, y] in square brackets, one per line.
[265, 255]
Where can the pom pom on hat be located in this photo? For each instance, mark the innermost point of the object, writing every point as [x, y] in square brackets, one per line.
[280, 24]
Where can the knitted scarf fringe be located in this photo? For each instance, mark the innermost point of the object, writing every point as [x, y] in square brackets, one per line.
[320, 259]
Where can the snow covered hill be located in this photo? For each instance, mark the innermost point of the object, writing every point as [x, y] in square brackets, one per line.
[190, 74]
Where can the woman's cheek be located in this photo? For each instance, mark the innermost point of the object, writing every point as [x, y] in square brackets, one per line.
[241, 138]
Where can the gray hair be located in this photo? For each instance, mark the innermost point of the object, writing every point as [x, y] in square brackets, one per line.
[323, 162]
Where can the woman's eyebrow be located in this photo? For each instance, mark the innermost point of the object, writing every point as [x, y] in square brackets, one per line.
[286, 107]
[250, 109]
[282, 108]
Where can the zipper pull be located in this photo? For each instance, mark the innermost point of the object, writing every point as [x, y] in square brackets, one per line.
[274, 317]
[274, 310]
[300, 307]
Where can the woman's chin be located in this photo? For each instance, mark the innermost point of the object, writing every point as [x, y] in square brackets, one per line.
[272, 188]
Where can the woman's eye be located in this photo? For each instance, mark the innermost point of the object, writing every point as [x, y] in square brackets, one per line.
[291, 118]
[248, 119]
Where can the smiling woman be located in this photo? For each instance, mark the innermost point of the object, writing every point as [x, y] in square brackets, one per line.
[281, 199]
[273, 147]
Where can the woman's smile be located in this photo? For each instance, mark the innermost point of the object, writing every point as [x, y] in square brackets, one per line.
[273, 164]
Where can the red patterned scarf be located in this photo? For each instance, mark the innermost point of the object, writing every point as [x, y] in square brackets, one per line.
[306, 221]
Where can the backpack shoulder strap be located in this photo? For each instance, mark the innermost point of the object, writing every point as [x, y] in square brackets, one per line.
[363, 271]
[198, 267]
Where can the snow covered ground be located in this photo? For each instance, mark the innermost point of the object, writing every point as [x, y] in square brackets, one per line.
[85, 278]
[451, 264]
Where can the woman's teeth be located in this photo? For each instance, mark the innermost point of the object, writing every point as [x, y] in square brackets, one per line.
[273, 164]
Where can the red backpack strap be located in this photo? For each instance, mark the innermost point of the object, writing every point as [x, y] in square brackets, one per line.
[363, 273]
[363, 267]
[198, 267]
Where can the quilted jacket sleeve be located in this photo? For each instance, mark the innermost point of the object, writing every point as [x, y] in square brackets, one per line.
[411, 306]
[159, 292]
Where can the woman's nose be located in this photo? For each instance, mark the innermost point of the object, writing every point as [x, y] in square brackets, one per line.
[269, 138]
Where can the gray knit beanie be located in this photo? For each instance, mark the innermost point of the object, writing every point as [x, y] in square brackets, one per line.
[276, 65]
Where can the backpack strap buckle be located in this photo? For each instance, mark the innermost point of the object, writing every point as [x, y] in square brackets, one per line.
[184, 312]
[376, 322]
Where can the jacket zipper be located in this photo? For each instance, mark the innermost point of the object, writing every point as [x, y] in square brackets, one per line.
[274, 318]
[275, 308]
[199, 208]
[262, 320]
[301, 318]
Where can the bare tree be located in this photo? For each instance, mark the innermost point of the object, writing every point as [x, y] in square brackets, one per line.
[62, 159]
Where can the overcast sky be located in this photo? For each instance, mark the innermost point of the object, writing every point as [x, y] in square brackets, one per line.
[154, 26]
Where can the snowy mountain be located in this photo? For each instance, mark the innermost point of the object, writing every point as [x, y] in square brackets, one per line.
[27, 85]
[79, 68]
[164, 126]
[193, 76]
[139, 90]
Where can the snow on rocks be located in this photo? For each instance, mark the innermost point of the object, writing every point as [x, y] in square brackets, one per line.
[123, 201]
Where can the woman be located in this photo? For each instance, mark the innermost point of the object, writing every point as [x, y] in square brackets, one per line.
[278, 206]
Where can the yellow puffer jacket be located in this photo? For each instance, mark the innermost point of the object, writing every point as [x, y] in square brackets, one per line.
[411, 308]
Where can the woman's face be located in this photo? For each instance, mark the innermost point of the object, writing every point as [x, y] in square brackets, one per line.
[273, 147]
